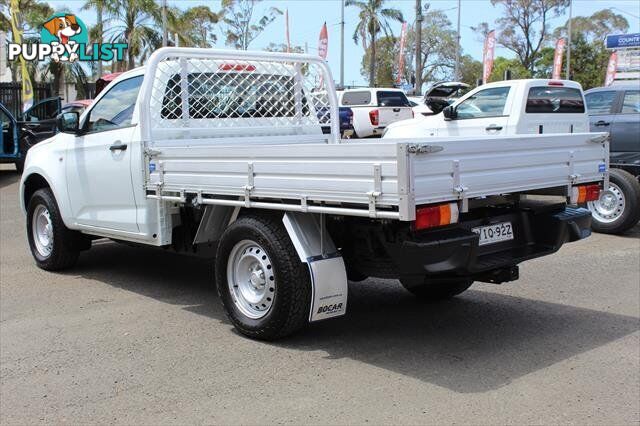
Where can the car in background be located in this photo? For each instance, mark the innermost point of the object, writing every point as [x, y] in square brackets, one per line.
[32, 126]
[76, 106]
[346, 120]
[374, 109]
[39, 121]
[437, 97]
[510, 107]
[418, 106]
[616, 109]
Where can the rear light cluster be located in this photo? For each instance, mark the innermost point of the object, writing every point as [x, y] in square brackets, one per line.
[583, 193]
[436, 215]
[374, 116]
[236, 67]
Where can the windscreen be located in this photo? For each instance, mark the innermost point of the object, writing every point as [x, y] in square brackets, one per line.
[392, 99]
[554, 99]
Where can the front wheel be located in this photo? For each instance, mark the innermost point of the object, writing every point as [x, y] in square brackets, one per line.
[434, 291]
[53, 245]
[264, 287]
[618, 208]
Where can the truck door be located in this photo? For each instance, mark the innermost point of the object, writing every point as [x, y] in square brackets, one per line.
[600, 106]
[484, 113]
[40, 119]
[625, 129]
[99, 162]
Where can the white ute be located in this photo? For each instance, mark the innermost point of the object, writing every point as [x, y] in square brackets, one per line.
[375, 109]
[511, 107]
[221, 154]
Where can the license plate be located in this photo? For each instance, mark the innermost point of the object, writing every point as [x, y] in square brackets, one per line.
[495, 233]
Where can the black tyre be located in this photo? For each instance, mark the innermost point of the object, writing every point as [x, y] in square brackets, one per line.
[53, 246]
[618, 209]
[440, 290]
[264, 287]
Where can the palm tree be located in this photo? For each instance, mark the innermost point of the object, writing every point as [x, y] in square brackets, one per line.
[133, 22]
[374, 18]
[96, 33]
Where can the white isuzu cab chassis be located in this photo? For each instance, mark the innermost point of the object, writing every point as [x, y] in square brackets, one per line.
[222, 154]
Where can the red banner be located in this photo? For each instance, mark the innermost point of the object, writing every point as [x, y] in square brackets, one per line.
[487, 55]
[323, 42]
[557, 60]
[403, 40]
[611, 69]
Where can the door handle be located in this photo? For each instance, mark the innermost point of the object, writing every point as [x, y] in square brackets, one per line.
[602, 123]
[493, 127]
[118, 146]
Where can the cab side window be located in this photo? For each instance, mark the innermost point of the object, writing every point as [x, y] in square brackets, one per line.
[485, 103]
[115, 109]
[600, 102]
[631, 102]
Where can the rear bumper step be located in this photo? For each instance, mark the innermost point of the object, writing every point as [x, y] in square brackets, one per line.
[455, 251]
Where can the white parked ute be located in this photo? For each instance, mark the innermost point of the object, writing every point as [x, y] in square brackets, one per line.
[511, 107]
[374, 109]
[222, 154]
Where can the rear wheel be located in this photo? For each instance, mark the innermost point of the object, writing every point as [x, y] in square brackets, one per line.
[438, 290]
[618, 208]
[53, 245]
[264, 287]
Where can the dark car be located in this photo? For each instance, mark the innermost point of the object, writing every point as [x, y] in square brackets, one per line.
[10, 151]
[616, 109]
[346, 120]
[32, 126]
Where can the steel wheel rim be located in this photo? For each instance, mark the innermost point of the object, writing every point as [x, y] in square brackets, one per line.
[42, 230]
[251, 279]
[610, 206]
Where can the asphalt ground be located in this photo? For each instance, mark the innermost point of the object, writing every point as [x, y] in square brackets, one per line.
[137, 336]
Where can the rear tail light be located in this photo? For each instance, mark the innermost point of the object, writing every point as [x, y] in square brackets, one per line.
[556, 83]
[584, 193]
[436, 215]
[236, 67]
[374, 116]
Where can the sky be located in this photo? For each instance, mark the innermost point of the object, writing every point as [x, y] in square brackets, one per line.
[307, 16]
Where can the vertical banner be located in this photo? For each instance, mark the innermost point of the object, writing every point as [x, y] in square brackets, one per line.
[611, 69]
[323, 42]
[403, 40]
[487, 55]
[27, 89]
[557, 60]
[286, 30]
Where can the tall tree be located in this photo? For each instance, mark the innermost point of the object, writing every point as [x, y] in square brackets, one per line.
[241, 25]
[134, 22]
[524, 26]
[374, 18]
[438, 47]
[96, 33]
[387, 51]
[470, 70]
[595, 28]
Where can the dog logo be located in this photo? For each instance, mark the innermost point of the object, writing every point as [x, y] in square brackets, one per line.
[66, 30]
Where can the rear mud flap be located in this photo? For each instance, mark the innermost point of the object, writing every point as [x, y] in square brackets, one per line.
[326, 266]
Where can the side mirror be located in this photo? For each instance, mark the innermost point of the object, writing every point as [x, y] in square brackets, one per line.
[450, 113]
[68, 122]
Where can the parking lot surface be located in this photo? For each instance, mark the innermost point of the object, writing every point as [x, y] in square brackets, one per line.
[136, 335]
